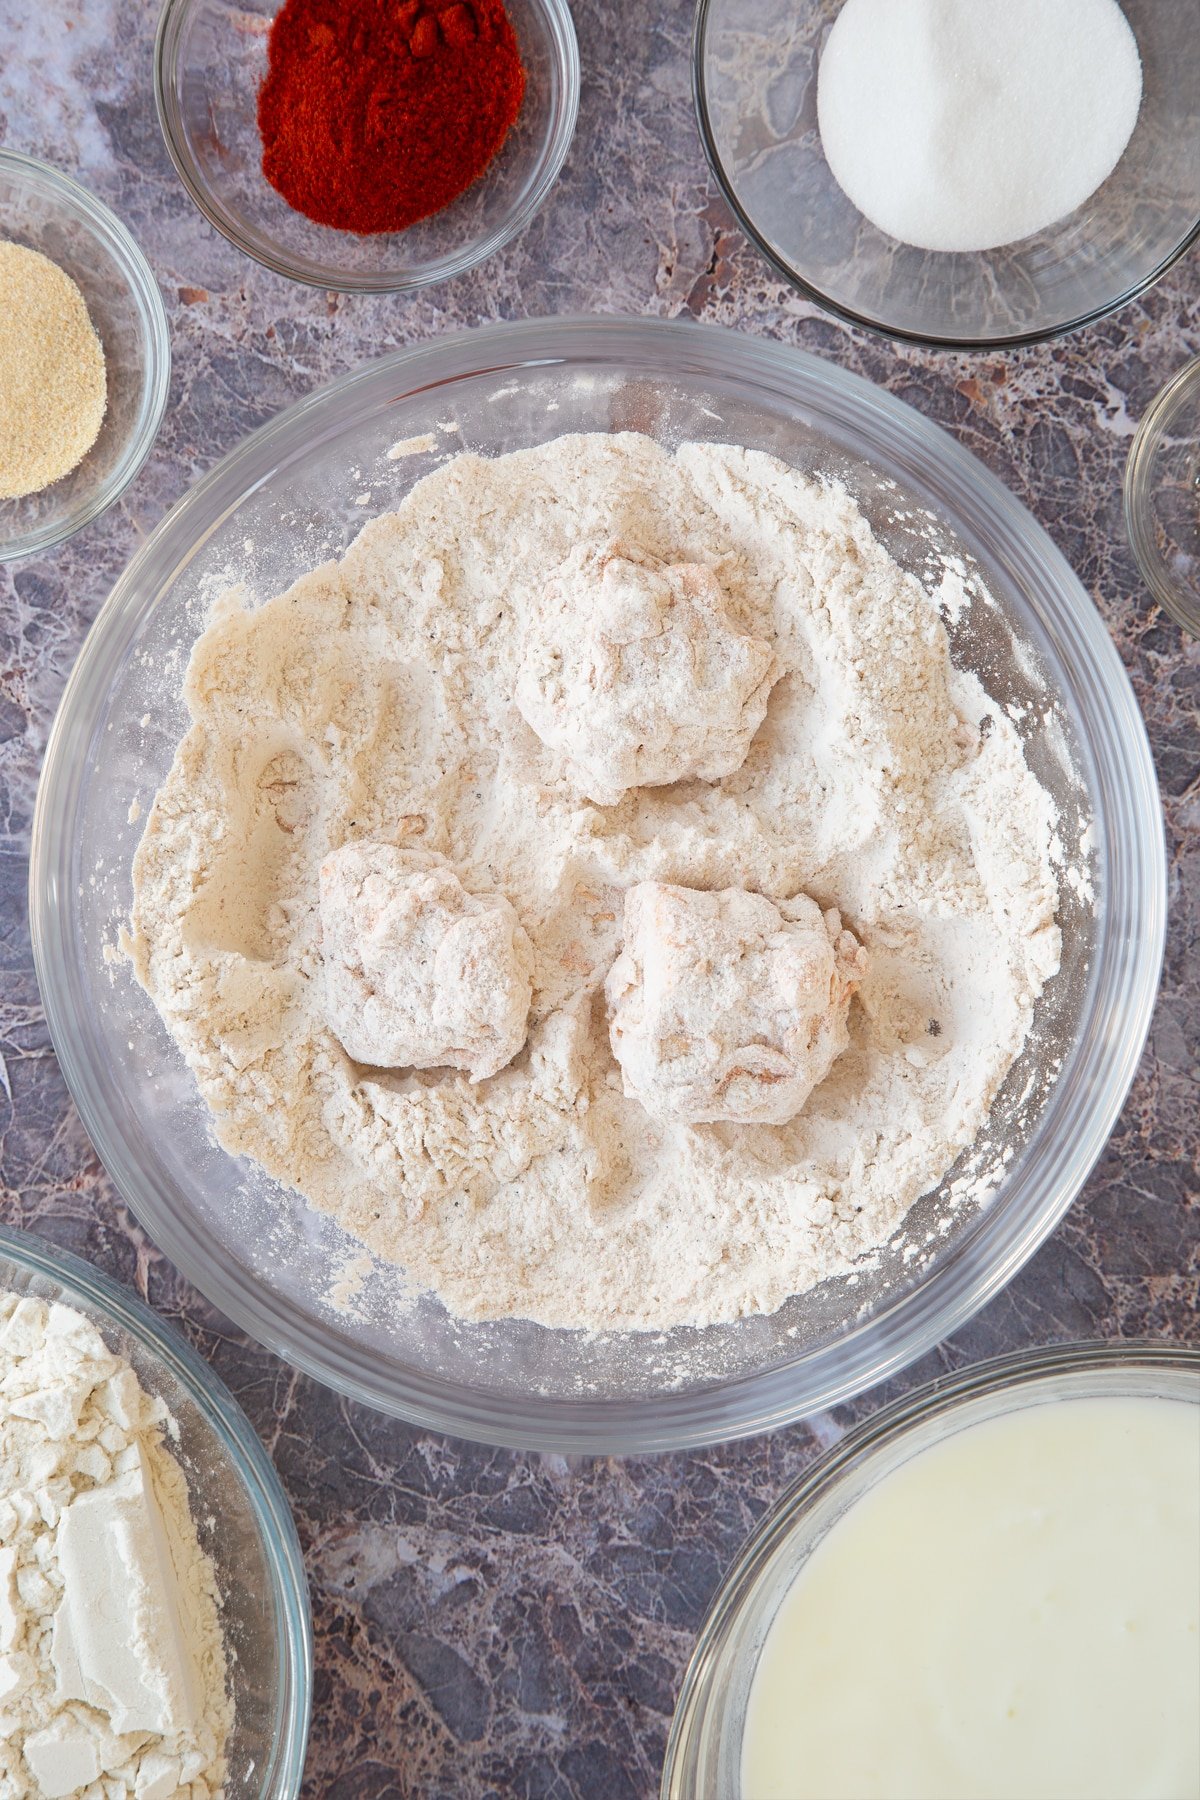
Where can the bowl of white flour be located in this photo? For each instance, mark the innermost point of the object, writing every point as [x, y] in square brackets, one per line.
[154, 1618]
[563, 1172]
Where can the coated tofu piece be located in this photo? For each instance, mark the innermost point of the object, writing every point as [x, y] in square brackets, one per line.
[637, 676]
[725, 1006]
[419, 973]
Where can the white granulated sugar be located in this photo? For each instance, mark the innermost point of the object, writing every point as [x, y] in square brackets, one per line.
[112, 1665]
[375, 701]
[967, 124]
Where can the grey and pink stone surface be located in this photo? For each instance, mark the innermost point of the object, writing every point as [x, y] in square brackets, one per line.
[491, 1624]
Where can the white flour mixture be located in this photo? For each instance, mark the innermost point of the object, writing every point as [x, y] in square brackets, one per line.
[424, 693]
[112, 1664]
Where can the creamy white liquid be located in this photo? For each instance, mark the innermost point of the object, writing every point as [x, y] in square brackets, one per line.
[1011, 1615]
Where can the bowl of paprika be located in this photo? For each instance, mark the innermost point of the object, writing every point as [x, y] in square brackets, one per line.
[363, 145]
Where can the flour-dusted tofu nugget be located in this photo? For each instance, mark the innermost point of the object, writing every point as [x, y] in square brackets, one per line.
[724, 1006]
[420, 974]
[636, 674]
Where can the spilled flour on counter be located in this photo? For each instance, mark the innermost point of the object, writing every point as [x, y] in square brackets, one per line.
[377, 700]
[112, 1665]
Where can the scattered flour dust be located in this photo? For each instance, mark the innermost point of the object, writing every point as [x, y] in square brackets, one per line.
[375, 700]
[112, 1665]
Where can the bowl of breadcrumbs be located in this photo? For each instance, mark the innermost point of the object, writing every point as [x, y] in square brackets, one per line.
[85, 357]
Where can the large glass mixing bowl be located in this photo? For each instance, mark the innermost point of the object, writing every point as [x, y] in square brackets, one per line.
[299, 489]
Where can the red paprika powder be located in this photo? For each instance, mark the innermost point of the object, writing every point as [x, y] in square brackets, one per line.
[376, 113]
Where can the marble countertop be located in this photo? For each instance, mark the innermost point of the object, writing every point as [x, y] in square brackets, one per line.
[491, 1624]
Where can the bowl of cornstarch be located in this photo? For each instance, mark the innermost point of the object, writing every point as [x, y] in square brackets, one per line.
[972, 173]
[85, 357]
[155, 1637]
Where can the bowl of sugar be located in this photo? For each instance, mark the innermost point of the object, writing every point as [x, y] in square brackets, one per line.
[966, 173]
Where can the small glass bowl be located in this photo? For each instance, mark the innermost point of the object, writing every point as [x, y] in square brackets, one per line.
[209, 62]
[755, 80]
[1162, 497]
[237, 1502]
[46, 211]
[704, 1750]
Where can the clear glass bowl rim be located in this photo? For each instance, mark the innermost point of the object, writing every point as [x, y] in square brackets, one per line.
[230, 1425]
[561, 25]
[1139, 469]
[941, 1397]
[153, 316]
[764, 1399]
[795, 279]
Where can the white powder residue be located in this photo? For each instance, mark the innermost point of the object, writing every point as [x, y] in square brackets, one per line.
[112, 1663]
[376, 700]
[349, 1279]
[413, 446]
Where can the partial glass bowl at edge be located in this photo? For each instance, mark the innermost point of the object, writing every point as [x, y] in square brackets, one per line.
[755, 80]
[46, 211]
[704, 1751]
[1162, 497]
[293, 493]
[237, 1503]
[209, 62]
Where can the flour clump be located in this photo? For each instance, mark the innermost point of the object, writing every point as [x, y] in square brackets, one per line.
[418, 972]
[385, 699]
